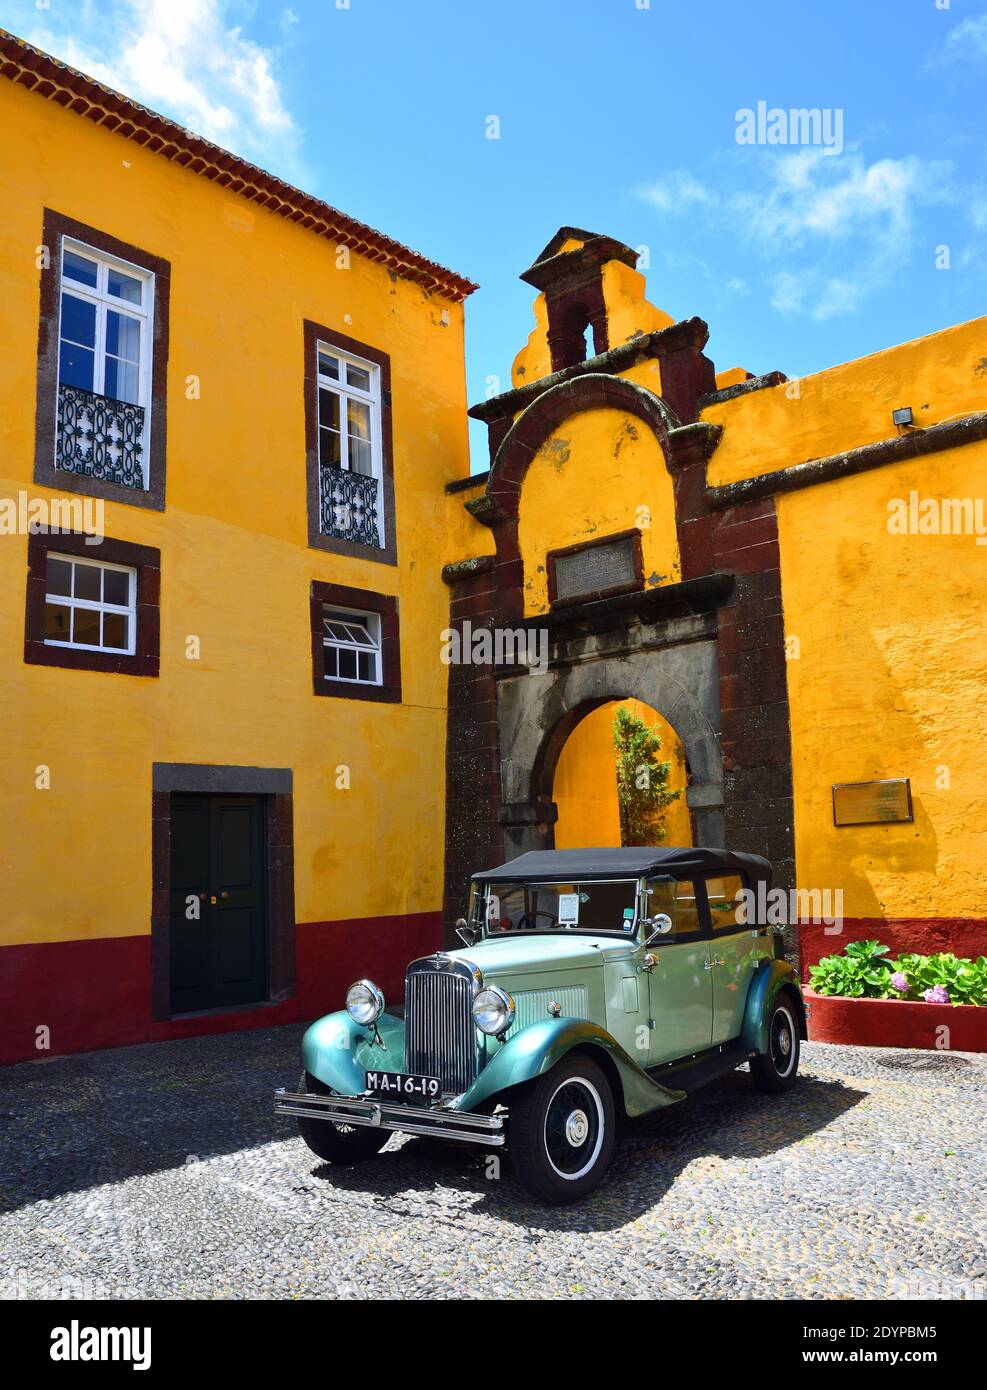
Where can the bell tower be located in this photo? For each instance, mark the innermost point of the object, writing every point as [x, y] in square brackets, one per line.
[569, 273]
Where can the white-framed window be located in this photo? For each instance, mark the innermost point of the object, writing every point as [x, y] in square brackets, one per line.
[106, 316]
[349, 412]
[352, 643]
[90, 604]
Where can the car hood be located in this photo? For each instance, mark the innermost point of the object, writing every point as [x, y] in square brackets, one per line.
[539, 953]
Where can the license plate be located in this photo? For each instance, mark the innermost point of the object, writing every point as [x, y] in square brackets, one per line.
[403, 1085]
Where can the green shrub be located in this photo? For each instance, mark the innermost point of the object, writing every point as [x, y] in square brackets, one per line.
[864, 971]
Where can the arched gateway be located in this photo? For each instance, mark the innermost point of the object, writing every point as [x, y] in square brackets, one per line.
[611, 576]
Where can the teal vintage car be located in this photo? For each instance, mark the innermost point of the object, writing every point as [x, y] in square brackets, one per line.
[592, 983]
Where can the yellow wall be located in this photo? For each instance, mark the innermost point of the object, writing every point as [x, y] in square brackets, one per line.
[585, 784]
[600, 472]
[236, 569]
[939, 376]
[889, 682]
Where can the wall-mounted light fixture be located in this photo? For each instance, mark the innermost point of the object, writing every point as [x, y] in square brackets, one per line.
[902, 417]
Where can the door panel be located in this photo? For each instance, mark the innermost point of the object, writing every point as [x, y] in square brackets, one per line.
[219, 958]
[681, 1001]
[735, 950]
[681, 986]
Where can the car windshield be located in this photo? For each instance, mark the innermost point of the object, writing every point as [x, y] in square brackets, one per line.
[597, 906]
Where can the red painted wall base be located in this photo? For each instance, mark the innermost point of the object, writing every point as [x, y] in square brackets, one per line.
[93, 994]
[896, 1023]
[964, 936]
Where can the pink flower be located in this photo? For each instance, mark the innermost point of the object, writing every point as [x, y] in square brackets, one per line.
[936, 995]
[899, 982]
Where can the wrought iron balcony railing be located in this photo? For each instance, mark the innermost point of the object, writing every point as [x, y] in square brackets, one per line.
[348, 506]
[100, 437]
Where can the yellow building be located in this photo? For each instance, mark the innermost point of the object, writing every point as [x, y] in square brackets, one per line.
[256, 401]
[278, 674]
[790, 574]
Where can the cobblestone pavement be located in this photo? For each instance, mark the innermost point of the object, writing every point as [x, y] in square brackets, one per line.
[161, 1172]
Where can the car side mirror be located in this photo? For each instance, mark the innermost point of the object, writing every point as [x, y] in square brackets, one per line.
[658, 926]
[465, 932]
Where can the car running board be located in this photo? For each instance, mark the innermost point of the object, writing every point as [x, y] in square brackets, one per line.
[692, 1073]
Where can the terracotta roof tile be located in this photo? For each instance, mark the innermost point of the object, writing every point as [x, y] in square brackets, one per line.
[56, 81]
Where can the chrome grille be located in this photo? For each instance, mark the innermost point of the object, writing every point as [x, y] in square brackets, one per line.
[440, 1032]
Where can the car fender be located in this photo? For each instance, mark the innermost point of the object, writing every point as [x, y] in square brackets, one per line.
[535, 1049]
[338, 1052]
[769, 980]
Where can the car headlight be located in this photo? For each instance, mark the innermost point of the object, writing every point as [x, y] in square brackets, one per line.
[364, 1002]
[493, 1010]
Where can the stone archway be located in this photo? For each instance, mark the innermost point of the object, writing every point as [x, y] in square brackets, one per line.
[671, 667]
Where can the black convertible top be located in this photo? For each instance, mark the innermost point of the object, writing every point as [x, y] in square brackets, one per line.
[577, 865]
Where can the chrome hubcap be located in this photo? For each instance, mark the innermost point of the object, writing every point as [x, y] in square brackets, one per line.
[785, 1042]
[577, 1128]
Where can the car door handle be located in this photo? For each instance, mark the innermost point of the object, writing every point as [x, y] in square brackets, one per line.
[711, 962]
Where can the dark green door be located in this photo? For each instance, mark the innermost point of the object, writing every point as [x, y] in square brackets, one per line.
[218, 908]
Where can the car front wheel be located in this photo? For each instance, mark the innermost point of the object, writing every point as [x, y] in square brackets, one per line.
[561, 1131]
[338, 1143]
[775, 1070]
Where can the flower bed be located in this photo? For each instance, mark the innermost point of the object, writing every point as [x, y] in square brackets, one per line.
[862, 997]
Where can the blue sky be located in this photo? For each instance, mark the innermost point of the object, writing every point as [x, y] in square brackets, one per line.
[616, 115]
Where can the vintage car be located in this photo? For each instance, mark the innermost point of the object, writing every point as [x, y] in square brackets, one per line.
[593, 983]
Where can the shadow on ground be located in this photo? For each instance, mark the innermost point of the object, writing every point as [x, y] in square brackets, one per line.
[78, 1122]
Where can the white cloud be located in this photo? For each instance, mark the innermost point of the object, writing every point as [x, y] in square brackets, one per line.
[828, 231]
[967, 43]
[675, 193]
[186, 59]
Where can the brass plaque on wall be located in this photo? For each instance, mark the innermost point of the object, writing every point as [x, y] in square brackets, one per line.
[872, 803]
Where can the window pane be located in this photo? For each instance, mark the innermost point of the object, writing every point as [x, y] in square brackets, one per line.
[115, 628]
[116, 587]
[87, 578]
[329, 410]
[123, 336]
[686, 917]
[329, 366]
[358, 419]
[57, 618]
[329, 446]
[78, 321]
[356, 376]
[124, 286]
[79, 268]
[347, 664]
[122, 380]
[361, 459]
[76, 366]
[368, 666]
[358, 428]
[331, 664]
[58, 577]
[723, 902]
[85, 626]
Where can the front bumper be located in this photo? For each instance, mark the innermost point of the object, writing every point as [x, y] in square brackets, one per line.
[465, 1128]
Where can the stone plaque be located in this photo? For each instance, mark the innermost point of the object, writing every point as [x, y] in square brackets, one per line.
[872, 803]
[598, 567]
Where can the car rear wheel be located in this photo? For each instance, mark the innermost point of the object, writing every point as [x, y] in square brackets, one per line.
[561, 1131]
[776, 1069]
[337, 1143]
